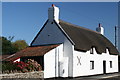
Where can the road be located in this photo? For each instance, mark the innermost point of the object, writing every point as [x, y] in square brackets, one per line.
[115, 76]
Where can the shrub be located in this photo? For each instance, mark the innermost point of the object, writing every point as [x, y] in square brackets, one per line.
[9, 66]
[33, 65]
[28, 65]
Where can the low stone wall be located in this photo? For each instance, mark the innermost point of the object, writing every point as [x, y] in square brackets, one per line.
[29, 75]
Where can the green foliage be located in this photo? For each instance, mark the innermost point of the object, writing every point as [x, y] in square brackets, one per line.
[9, 47]
[19, 44]
[9, 66]
[6, 46]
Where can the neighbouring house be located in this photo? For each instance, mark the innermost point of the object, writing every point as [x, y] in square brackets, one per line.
[67, 50]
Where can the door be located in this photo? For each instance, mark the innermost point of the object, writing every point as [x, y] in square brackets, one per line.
[104, 67]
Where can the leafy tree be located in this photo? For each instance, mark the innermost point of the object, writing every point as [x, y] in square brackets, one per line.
[9, 47]
[6, 46]
[19, 45]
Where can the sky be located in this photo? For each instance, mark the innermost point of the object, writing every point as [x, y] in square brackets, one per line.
[24, 19]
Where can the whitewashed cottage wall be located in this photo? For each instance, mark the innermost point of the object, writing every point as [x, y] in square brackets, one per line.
[68, 52]
[49, 64]
[55, 63]
[82, 67]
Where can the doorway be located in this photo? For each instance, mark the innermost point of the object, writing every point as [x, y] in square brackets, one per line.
[104, 67]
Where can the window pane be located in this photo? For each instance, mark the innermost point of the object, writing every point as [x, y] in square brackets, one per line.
[91, 51]
[110, 64]
[91, 65]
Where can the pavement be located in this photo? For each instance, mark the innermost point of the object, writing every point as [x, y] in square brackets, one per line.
[113, 76]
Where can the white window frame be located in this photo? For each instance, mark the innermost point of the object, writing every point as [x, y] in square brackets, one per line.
[91, 51]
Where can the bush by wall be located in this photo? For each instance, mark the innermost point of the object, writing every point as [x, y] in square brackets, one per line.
[27, 66]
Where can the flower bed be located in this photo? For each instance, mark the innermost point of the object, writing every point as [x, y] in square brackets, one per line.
[27, 66]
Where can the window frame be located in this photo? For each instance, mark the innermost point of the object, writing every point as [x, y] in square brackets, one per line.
[91, 51]
[111, 66]
[92, 65]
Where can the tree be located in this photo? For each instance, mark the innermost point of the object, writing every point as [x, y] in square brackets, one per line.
[6, 46]
[9, 47]
[19, 44]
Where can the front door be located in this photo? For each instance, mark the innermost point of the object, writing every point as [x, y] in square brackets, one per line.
[104, 67]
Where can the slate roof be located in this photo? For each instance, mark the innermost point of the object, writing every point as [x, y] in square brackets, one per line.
[31, 51]
[85, 39]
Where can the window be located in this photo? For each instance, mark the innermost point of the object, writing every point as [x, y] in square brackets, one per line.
[91, 51]
[91, 65]
[110, 64]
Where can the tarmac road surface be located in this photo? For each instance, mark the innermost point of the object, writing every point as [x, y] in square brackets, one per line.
[115, 76]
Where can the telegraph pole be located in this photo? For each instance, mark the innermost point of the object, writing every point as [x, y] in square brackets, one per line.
[116, 36]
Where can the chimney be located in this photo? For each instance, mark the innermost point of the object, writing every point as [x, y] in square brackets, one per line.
[53, 13]
[100, 29]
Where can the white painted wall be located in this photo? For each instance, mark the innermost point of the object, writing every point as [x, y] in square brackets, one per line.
[55, 66]
[68, 52]
[86, 57]
[17, 60]
[64, 67]
[49, 64]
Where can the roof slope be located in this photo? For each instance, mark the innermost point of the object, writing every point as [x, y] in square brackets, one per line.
[3, 57]
[84, 38]
[31, 51]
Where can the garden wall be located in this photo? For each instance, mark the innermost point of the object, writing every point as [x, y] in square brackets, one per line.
[36, 75]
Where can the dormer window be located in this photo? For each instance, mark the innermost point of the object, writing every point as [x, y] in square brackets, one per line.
[91, 50]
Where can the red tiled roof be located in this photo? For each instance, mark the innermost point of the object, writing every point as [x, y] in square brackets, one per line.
[31, 51]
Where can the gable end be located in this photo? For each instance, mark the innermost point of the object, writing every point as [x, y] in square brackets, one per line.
[38, 33]
[64, 33]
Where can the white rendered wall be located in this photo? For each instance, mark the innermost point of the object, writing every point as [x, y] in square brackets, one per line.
[49, 64]
[55, 65]
[68, 52]
[83, 69]
[17, 60]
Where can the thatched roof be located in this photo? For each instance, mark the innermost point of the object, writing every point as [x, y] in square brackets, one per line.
[84, 38]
